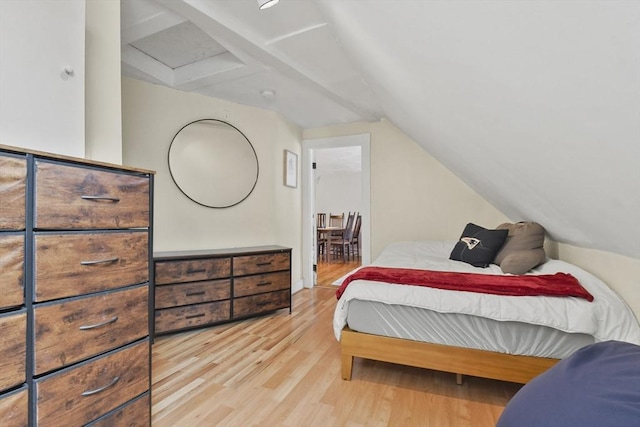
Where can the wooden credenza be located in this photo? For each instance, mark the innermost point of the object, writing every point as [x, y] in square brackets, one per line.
[75, 270]
[14, 391]
[194, 289]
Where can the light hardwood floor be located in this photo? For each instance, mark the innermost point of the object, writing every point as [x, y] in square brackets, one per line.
[327, 273]
[284, 370]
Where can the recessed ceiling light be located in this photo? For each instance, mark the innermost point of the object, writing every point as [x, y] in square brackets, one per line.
[268, 94]
[265, 4]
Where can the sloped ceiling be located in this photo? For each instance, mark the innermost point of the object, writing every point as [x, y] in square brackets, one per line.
[534, 104]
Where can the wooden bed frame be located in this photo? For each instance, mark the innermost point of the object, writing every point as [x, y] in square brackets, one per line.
[458, 360]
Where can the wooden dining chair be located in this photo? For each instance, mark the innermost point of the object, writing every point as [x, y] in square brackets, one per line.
[321, 238]
[336, 220]
[342, 243]
[355, 237]
[321, 220]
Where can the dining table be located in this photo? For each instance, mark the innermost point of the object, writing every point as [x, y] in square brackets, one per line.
[331, 233]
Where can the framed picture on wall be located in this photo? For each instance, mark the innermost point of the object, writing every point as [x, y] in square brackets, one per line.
[290, 169]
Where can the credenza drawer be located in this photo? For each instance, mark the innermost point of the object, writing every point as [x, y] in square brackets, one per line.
[261, 303]
[75, 264]
[249, 285]
[193, 315]
[202, 288]
[192, 293]
[14, 408]
[254, 264]
[83, 393]
[13, 185]
[134, 414]
[13, 333]
[192, 270]
[11, 270]
[72, 197]
[68, 332]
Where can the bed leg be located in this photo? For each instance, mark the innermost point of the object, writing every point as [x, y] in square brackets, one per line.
[347, 365]
[459, 379]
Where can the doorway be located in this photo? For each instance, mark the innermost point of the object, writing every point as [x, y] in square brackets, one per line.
[308, 198]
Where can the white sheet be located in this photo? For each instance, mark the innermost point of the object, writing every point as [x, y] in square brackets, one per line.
[608, 317]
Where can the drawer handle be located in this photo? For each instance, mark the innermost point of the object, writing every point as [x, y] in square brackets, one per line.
[193, 316]
[103, 388]
[263, 303]
[114, 319]
[193, 294]
[264, 284]
[203, 270]
[101, 261]
[262, 264]
[101, 198]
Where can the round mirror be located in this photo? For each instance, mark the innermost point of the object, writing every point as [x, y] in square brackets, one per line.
[213, 163]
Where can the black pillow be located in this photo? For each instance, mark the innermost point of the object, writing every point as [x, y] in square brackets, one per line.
[478, 246]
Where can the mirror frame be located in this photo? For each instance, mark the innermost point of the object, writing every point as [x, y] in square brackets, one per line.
[242, 197]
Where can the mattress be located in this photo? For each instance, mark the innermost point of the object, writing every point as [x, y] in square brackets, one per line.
[461, 330]
[525, 325]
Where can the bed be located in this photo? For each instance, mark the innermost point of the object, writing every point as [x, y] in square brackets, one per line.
[510, 338]
[599, 385]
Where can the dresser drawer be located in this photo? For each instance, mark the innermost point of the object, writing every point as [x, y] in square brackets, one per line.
[13, 349]
[72, 197]
[192, 270]
[192, 315]
[74, 264]
[81, 394]
[134, 414]
[13, 184]
[68, 332]
[249, 285]
[261, 303]
[192, 293]
[11, 270]
[14, 408]
[253, 264]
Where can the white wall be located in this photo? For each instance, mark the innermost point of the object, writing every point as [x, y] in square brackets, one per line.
[41, 106]
[103, 112]
[338, 192]
[413, 196]
[270, 215]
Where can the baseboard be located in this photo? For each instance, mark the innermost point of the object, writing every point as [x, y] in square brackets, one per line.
[297, 286]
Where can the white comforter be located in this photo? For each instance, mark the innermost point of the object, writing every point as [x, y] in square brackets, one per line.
[608, 317]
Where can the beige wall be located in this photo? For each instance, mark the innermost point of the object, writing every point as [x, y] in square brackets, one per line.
[270, 215]
[621, 273]
[413, 196]
[103, 129]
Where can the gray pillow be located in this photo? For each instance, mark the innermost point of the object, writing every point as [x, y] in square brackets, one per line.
[523, 249]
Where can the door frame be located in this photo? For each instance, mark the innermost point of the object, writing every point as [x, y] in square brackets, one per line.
[308, 198]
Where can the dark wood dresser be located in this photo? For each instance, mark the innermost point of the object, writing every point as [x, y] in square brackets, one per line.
[194, 289]
[75, 265]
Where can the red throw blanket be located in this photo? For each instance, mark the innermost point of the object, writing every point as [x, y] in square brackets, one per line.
[559, 284]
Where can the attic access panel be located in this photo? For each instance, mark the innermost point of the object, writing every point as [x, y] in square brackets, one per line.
[180, 45]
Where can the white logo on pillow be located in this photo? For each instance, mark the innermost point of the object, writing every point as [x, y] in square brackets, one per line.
[471, 242]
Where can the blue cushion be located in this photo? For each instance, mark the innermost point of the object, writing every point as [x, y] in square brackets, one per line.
[599, 385]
